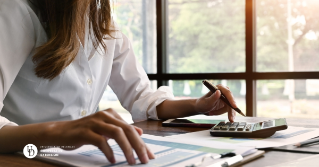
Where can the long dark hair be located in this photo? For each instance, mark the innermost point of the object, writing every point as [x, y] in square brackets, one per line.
[64, 21]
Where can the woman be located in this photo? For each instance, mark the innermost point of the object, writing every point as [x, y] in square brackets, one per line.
[57, 57]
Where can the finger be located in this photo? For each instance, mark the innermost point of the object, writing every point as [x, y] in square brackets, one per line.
[231, 114]
[206, 104]
[102, 144]
[114, 113]
[208, 94]
[219, 111]
[149, 153]
[228, 94]
[138, 130]
[218, 105]
[215, 96]
[119, 136]
[137, 143]
[134, 139]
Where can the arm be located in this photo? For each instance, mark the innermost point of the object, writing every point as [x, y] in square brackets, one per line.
[176, 108]
[14, 138]
[208, 104]
[130, 83]
[97, 129]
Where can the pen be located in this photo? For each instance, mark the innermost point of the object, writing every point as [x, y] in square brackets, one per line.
[228, 162]
[307, 142]
[227, 154]
[213, 89]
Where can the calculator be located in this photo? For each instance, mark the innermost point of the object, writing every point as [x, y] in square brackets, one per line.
[249, 130]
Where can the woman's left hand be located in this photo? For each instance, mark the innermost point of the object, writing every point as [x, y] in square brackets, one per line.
[211, 104]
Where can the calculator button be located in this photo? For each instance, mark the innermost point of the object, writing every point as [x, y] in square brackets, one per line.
[221, 124]
[240, 128]
[248, 127]
[226, 126]
[233, 126]
[217, 127]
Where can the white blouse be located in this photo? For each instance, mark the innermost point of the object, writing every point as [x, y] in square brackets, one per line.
[76, 92]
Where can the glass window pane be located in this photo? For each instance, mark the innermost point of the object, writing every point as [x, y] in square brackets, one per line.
[288, 98]
[137, 20]
[185, 89]
[287, 35]
[206, 36]
[110, 100]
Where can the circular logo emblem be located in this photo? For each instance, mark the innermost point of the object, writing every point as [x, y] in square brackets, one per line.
[30, 151]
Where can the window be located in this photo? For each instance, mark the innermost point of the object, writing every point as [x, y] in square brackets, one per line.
[266, 51]
[137, 20]
[287, 35]
[287, 41]
[268, 47]
[206, 36]
[274, 98]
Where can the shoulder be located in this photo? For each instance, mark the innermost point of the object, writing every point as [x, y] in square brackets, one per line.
[117, 33]
[17, 16]
[15, 13]
[14, 7]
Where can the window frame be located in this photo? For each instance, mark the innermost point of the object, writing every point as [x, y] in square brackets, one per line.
[250, 75]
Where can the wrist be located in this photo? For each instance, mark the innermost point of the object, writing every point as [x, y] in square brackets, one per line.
[195, 108]
[49, 133]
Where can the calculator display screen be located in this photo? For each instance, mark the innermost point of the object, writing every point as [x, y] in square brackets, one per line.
[280, 122]
[269, 124]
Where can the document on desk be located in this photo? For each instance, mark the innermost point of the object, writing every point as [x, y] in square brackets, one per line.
[291, 135]
[168, 152]
[310, 161]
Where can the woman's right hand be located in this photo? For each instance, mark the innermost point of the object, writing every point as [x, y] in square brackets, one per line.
[96, 129]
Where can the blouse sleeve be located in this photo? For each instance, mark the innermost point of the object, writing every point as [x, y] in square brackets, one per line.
[130, 83]
[16, 43]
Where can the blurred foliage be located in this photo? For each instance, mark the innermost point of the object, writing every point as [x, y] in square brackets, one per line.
[128, 17]
[272, 34]
[206, 36]
[209, 36]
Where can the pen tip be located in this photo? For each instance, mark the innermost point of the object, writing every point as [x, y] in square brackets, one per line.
[239, 111]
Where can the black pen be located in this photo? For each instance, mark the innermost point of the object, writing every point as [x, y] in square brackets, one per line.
[307, 142]
[213, 89]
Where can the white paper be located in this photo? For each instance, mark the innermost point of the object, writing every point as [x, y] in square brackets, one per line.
[309, 161]
[168, 152]
[291, 135]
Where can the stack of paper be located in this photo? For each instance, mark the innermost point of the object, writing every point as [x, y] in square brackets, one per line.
[280, 138]
[168, 152]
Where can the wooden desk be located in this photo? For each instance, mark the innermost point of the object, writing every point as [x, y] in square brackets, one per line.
[155, 128]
